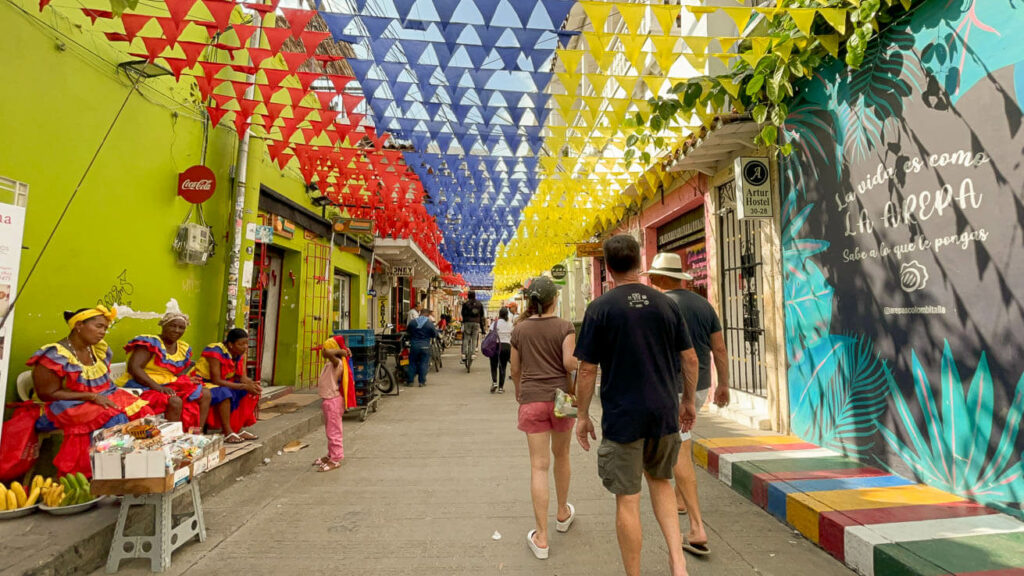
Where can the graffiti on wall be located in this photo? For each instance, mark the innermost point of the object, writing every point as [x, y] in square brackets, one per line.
[903, 255]
[119, 293]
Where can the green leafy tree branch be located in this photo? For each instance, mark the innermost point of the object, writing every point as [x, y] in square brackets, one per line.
[766, 70]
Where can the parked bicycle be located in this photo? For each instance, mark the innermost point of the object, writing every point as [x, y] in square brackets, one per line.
[436, 352]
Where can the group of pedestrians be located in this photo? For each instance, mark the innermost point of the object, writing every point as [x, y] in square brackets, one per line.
[652, 350]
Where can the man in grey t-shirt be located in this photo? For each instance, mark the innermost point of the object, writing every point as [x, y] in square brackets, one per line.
[667, 274]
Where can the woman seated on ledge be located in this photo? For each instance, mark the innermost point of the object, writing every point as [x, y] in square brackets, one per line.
[236, 397]
[72, 377]
[162, 366]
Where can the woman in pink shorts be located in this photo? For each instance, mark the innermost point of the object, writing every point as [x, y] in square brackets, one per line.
[543, 362]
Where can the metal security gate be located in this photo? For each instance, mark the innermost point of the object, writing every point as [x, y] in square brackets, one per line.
[742, 299]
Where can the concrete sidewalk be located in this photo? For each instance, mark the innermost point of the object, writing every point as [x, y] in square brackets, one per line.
[425, 484]
[875, 522]
[44, 545]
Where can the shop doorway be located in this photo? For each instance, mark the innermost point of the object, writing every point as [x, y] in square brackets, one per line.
[264, 309]
[742, 296]
[341, 306]
[685, 237]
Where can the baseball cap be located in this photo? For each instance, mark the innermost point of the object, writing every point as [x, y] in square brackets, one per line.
[542, 289]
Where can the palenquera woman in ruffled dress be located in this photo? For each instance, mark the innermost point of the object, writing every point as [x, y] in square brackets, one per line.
[234, 396]
[72, 378]
[162, 367]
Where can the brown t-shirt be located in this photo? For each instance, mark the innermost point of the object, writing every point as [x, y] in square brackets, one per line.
[539, 342]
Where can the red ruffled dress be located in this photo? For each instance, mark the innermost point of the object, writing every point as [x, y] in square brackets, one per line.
[76, 418]
[170, 370]
[243, 404]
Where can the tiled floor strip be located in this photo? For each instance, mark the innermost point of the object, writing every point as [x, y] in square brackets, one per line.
[875, 522]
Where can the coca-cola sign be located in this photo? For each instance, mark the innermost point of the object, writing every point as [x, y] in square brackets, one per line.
[197, 184]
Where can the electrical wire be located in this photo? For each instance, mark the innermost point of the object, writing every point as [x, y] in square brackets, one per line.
[67, 206]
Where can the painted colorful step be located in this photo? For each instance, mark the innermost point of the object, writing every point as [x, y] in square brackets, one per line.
[874, 521]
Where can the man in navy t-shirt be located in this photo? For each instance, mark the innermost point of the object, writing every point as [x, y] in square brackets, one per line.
[639, 338]
[666, 273]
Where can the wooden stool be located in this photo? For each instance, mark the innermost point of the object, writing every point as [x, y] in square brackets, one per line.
[166, 538]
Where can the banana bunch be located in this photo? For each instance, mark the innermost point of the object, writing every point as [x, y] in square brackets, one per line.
[17, 496]
[68, 491]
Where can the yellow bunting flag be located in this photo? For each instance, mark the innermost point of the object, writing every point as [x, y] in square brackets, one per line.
[565, 102]
[760, 44]
[605, 60]
[632, 15]
[698, 44]
[836, 17]
[598, 13]
[594, 103]
[666, 17]
[741, 16]
[803, 18]
[700, 11]
[751, 58]
[632, 46]
[619, 107]
[569, 81]
[570, 59]
[731, 87]
[628, 83]
[655, 83]
[831, 43]
[699, 62]
[727, 42]
[598, 81]
[665, 52]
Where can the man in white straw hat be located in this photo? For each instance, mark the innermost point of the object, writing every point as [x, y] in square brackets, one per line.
[666, 274]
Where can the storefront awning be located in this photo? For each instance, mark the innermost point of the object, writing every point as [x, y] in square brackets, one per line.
[405, 253]
[716, 150]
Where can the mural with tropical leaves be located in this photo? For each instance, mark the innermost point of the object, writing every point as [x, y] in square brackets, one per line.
[901, 348]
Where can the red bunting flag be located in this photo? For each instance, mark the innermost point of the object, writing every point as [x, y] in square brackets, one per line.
[350, 101]
[155, 47]
[220, 11]
[210, 69]
[117, 37]
[275, 77]
[294, 60]
[94, 14]
[244, 33]
[216, 114]
[192, 50]
[328, 58]
[240, 87]
[267, 91]
[241, 125]
[176, 65]
[212, 28]
[340, 81]
[300, 113]
[133, 23]
[298, 19]
[274, 110]
[245, 69]
[276, 37]
[311, 39]
[297, 95]
[325, 98]
[247, 107]
[179, 9]
[172, 30]
[222, 100]
[307, 78]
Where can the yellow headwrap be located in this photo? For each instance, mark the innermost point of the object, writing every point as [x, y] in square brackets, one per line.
[92, 313]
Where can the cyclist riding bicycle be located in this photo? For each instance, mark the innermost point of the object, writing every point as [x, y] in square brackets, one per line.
[473, 318]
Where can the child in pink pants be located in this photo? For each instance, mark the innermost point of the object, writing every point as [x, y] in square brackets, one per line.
[333, 389]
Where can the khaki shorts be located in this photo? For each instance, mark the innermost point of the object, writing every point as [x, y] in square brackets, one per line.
[699, 399]
[622, 466]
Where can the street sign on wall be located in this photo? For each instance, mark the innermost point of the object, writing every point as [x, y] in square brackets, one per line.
[753, 188]
[590, 250]
[403, 271]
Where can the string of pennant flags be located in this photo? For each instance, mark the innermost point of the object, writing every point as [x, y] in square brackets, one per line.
[491, 132]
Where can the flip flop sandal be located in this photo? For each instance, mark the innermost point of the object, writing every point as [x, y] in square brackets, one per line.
[696, 548]
[564, 526]
[234, 439]
[321, 461]
[683, 512]
[328, 466]
[248, 436]
[540, 553]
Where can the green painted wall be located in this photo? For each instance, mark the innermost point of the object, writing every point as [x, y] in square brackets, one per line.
[114, 245]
